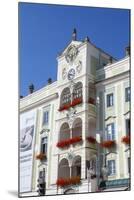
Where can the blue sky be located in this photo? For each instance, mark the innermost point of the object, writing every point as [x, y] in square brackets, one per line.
[45, 30]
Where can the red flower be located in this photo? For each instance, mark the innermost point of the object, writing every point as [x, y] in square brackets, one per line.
[66, 143]
[75, 139]
[91, 139]
[126, 139]
[63, 143]
[65, 107]
[68, 181]
[108, 144]
[91, 101]
[76, 102]
[40, 156]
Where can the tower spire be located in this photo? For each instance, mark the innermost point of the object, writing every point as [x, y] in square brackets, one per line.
[74, 34]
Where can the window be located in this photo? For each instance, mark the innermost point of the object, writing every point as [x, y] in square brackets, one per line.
[110, 100]
[128, 160]
[110, 132]
[45, 117]
[127, 94]
[111, 167]
[65, 96]
[42, 174]
[44, 145]
[127, 126]
[77, 92]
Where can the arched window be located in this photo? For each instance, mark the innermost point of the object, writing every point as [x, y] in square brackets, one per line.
[63, 169]
[77, 92]
[64, 132]
[76, 167]
[65, 97]
[77, 128]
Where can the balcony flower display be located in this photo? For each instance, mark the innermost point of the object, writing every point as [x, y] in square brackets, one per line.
[108, 144]
[63, 143]
[76, 101]
[91, 139]
[65, 107]
[62, 182]
[75, 139]
[41, 156]
[126, 139]
[67, 142]
[91, 100]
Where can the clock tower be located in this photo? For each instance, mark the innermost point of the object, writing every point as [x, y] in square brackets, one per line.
[76, 112]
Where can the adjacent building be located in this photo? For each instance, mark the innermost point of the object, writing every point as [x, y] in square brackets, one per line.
[75, 132]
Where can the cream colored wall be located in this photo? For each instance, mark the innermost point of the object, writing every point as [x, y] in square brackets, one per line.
[49, 96]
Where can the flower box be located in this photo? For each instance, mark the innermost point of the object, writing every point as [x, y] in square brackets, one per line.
[108, 144]
[66, 143]
[126, 139]
[62, 182]
[75, 139]
[65, 107]
[41, 156]
[91, 139]
[63, 143]
[91, 101]
[76, 102]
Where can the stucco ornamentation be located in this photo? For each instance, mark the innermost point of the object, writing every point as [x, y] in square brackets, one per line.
[71, 54]
[71, 115]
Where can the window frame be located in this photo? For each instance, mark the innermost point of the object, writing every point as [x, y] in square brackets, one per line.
[46, 145]
[127, 94]
[113, 167]
[111, 136]
[110, 102]
[43, 118]
[127, 126]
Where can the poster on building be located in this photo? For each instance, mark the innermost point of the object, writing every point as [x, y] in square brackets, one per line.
[27, 136]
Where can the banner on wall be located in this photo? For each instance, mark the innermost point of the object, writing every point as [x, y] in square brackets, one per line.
[27, 137]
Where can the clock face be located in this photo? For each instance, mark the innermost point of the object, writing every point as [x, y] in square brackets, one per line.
[71, 74]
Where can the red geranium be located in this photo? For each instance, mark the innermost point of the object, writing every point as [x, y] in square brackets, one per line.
[108, 143]
[126, 139]
[65, 107]
[63, 143]
[41, 156]
[68, 181]
[91, 101]
[75, 139]
[91, 139]
[76, 102]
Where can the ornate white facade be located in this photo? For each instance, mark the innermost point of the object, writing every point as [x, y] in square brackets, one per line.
[75, 116]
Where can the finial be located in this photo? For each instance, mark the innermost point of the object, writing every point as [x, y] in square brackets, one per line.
[49, 81]
[74, 34]
[31, 89]
[110, 59]
[127, 50]
[87, 39]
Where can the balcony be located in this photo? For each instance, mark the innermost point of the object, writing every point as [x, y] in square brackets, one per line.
[68, 142]
[74, 103]
[63, 182]
[64, 107]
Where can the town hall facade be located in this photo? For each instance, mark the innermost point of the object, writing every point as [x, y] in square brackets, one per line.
[75, 132]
